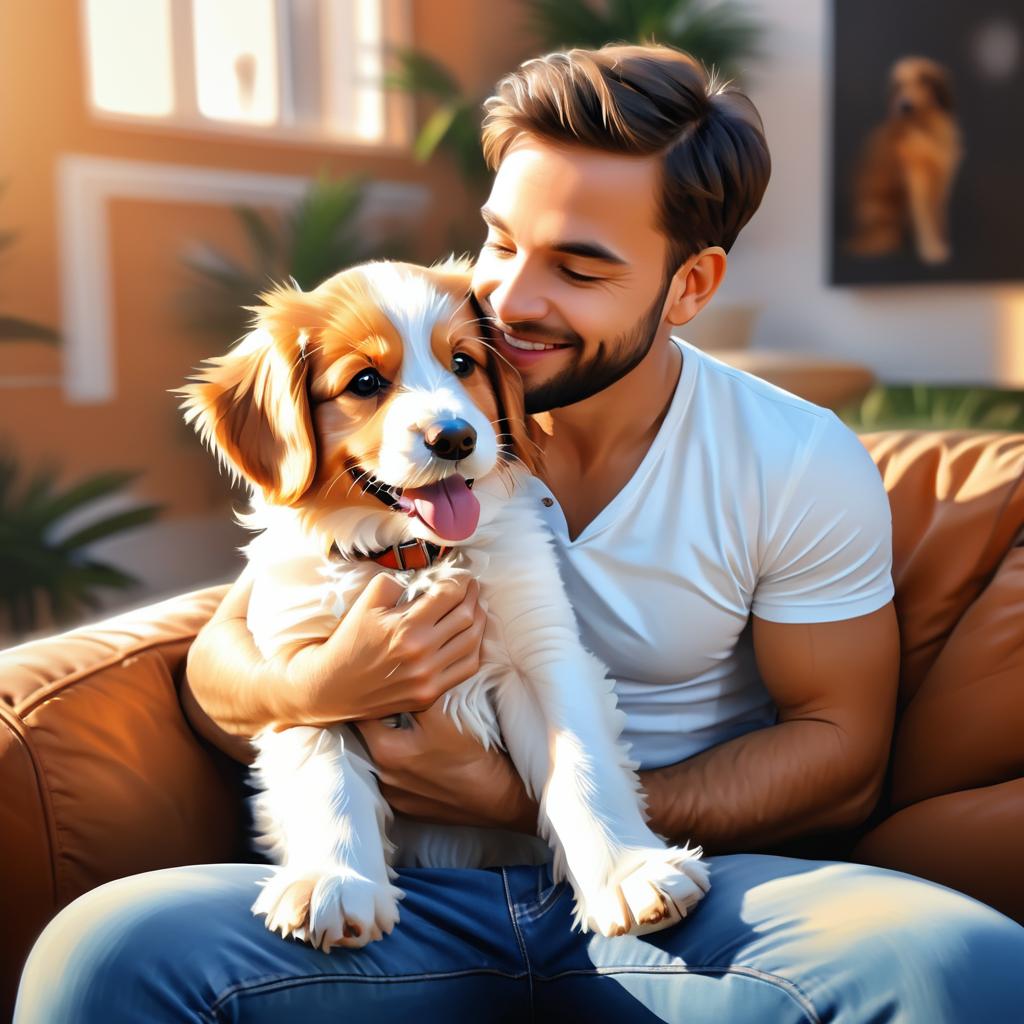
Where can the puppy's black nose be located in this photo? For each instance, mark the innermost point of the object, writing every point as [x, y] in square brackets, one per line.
[450, 439]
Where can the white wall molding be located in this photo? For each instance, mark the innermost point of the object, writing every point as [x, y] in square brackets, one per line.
[85, 186]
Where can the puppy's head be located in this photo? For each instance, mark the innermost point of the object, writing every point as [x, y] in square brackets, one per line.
[918, 85]
[377, 395]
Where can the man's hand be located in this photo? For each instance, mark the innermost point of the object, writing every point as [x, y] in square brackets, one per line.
[379, 660]
[382, 660]
[431, 771]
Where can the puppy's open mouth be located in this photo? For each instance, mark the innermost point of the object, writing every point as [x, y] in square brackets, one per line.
[448, 507]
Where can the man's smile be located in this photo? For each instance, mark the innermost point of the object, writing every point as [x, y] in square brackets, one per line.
[522, 353]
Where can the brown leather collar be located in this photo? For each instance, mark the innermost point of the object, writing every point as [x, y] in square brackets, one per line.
[411, 554]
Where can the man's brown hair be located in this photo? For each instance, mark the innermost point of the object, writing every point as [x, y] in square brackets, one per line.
[645, 101]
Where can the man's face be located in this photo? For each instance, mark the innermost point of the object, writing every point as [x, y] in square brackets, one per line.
[574, 260]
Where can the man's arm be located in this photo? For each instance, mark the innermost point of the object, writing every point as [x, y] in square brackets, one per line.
[230, 692]
[380, 660]
[820, 767]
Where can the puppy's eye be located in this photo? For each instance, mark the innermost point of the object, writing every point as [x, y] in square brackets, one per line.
[366, 383]
[462, 365]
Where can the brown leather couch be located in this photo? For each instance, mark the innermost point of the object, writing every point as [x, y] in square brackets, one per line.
[102, 776]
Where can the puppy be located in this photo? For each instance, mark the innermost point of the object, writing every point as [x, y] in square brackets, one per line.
[909, 163]
[379, 432]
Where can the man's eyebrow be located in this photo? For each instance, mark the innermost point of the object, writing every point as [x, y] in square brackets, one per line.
[586, 250]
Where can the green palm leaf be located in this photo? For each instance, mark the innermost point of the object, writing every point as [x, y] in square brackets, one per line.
[559, 24]
[323, 230]
[263, 241]
[14, 328]
[321, 235]
[720, 34]
[434, 130]
[420, 73]
[39, 572]
[942, 407]
[111, 525]
[52, 507]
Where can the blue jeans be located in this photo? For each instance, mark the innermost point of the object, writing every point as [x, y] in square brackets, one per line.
[777, 940]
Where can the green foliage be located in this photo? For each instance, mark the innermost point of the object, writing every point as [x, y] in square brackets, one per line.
[453, 126]
[720, 33]
[42, 560]
[937, 407]
[14, 328]
[316, 239]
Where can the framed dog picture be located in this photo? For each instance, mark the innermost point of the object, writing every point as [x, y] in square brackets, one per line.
[927, 144]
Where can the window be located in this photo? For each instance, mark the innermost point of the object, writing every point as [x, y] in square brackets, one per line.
[300, 69]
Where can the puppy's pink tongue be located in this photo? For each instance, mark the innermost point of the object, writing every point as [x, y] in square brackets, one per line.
[448, 507]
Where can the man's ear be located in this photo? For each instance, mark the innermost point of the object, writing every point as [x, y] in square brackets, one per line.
[251, 408]
[694, 283]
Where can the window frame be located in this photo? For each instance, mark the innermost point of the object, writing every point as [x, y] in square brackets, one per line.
[186, 118]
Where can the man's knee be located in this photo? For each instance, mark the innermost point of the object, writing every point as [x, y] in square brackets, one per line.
[910, 948]
[120, 950]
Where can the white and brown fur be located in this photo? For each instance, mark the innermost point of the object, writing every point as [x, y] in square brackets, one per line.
[276, 412]
[906, 172]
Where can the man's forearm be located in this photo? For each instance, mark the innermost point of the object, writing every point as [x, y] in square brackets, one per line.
[230, 691]
[757, 790]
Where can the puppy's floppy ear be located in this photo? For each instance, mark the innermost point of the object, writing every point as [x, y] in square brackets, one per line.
[251, 407]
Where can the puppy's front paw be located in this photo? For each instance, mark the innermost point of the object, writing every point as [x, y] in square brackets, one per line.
[340, 908]
[651, 890]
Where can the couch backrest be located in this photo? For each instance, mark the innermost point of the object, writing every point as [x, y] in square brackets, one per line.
[958, 563]
[957, 503]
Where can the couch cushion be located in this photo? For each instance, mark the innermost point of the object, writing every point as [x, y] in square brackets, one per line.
[965, 726]
[972, 841]
[957, 505]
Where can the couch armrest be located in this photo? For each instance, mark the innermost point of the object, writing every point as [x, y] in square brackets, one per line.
[100, 772]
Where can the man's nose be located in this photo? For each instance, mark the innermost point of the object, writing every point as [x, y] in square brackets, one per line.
[515, 296]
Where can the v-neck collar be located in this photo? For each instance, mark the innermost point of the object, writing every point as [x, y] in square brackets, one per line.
[626, 497]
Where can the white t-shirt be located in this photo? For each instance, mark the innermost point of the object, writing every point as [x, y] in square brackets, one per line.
[749, 500]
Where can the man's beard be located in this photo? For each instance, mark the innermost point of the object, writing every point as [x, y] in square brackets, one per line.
[610, 363]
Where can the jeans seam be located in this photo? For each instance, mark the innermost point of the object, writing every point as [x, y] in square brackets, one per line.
[244, 988]
[519, 938]
[791, 989]
[528, 912]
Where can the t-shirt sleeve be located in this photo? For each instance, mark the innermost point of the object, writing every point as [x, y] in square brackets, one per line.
[828, 547]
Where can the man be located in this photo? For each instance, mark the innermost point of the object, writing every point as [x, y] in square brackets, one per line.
[727, 549]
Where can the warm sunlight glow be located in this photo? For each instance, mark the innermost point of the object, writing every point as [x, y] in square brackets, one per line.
[236, 60]
[1011, 339]
[353, 68]
[129, 43]
[369, 50]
